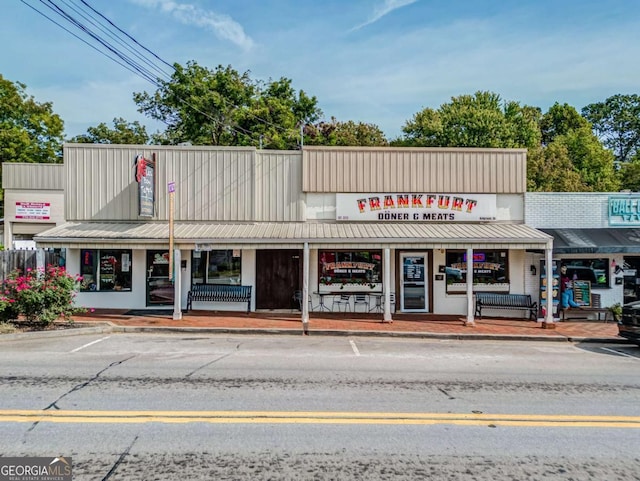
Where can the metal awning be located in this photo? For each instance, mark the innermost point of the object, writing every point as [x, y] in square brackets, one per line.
[592, 241]
[271, 235]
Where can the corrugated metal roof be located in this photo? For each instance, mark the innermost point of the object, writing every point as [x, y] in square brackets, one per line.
[295, 234]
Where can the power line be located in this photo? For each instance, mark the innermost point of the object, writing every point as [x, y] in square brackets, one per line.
[148, 69]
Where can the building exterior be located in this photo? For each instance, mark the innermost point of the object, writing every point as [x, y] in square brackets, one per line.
[596, 234]
[33, 201]
[402, 226]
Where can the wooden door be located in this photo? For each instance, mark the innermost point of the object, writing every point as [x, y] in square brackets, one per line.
[278, 276]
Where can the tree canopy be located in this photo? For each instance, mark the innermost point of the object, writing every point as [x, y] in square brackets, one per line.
[123, 132]
[225, 107]
[479, 120]
[29, 130]
[617, 122]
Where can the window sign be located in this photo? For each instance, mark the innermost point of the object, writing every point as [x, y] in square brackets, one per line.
[416, 207]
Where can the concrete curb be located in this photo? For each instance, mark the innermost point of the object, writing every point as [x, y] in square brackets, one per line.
[108, 327]
[73, 331]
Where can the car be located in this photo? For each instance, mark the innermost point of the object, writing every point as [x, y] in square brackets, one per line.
[582, 274]
[629, 322]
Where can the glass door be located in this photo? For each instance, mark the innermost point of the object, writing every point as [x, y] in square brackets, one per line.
[159, 285]
[413, 285]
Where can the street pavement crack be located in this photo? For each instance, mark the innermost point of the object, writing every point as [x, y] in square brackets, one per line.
[77, 387]
[208, 364]
[124, 454]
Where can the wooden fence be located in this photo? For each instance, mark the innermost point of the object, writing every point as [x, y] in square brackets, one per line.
[11, 260]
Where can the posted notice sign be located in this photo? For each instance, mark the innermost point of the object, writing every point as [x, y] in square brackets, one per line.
[33, 210]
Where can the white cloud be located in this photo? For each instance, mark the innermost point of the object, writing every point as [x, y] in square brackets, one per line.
[222, 25]
[380, 11]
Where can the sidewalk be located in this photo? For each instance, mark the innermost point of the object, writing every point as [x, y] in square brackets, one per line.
[403, 325]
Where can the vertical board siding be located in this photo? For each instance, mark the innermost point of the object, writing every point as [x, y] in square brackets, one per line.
[18, 175]
[278, 184]
[212, 184]
[356, 169]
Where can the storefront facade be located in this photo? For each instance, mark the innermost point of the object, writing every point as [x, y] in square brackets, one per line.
[596, 235]
[403, 226]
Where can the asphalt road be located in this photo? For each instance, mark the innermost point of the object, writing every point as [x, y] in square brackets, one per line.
[165, 407]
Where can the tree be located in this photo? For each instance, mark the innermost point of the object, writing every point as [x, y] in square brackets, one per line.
[29, 131]
[479, 120]
[559, 120]
[572, 162]
[123, 132]
[348, 133]
[630, 175]
[617, 122]
[224, 107]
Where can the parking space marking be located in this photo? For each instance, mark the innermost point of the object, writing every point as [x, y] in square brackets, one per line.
[90, 344]
[354, 347]
[620, 352]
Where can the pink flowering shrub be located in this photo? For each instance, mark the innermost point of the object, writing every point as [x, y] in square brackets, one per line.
[43, 295]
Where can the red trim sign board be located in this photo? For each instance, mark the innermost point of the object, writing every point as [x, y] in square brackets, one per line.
[33, 210]
[416, 207]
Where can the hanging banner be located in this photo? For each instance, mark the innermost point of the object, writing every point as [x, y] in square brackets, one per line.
[145, 177]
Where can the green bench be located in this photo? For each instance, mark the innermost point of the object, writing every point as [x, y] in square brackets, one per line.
[219, 293]
[489, 300]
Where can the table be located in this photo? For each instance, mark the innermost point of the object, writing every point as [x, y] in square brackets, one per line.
[323, 306]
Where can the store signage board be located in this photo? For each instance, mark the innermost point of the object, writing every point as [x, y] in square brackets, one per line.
[33, 210]
[624, 210]
[145, 176]
[416, 207]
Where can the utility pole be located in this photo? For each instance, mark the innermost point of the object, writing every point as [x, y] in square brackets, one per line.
[301, 135]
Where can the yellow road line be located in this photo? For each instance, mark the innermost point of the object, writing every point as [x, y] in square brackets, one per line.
[316, 417]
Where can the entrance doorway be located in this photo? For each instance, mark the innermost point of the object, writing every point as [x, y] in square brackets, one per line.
[413, 282]
[278, 276]
[160, 289]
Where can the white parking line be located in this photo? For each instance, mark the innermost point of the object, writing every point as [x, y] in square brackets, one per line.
[90, 344]
[354, 347]
[621, 353]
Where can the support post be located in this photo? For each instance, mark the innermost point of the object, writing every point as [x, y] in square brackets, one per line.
[470, 321]
[386, 317]
[177, 286]
[305, 289]
[548, 321]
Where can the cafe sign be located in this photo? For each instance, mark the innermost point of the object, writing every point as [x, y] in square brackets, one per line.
[416, 207]
[624, 210]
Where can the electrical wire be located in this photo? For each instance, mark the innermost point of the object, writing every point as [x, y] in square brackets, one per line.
[139, 64]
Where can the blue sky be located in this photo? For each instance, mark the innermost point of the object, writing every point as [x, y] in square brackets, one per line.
[375, 61]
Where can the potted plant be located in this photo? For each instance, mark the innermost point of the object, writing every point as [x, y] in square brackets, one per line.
[616, 311]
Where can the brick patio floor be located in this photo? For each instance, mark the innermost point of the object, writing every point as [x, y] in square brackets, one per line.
[347, 322]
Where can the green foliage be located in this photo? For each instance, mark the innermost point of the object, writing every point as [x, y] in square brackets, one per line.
[480, 120]
[42, 296]
[349, 133]
[123, 132]
[616, 311]
[616, 121]
[29, 131]
[224, 107]
[630, 175]
[560, 120]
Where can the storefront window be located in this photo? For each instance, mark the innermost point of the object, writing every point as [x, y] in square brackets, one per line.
[216, 267]
[105, 270]
[596, 271]
[349, 267]
[490, 270]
